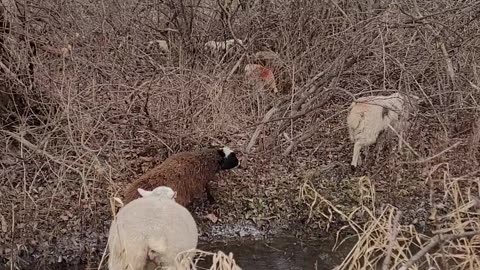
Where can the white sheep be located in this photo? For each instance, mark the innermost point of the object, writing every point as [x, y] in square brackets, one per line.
[161, 44]
[371, 115]
[261, 76]
[151, 231]
[217, 46]
[159, 192]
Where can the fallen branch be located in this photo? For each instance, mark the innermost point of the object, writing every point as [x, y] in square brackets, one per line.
[438, 239]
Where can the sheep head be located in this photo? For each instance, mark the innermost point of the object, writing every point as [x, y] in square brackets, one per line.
[160, 192]
[228, 158]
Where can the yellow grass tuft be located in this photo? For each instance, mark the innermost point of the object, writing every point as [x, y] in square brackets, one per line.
[385, 243]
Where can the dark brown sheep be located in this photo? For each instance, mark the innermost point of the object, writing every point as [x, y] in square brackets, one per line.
[187, 173]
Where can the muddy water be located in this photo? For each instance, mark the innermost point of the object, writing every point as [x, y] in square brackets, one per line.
[283, 253]
[279, 253]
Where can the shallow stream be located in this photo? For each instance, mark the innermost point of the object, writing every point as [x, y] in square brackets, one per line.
[283, 253]
[279, 253]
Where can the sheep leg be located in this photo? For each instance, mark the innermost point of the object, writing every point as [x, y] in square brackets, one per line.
[380, 146]
[400, 142]
[135, 260]
[210, 197]
[356, 155]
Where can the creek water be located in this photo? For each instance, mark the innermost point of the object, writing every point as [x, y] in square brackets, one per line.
[283, 253]
[279, 253]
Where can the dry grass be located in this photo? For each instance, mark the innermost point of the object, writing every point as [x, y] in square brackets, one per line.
[385, 242]
[86, 105]
[190, 260]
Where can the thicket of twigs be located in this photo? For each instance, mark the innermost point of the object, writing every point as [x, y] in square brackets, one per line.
[82, 89]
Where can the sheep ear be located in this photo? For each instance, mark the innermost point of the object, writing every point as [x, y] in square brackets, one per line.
[143, 192]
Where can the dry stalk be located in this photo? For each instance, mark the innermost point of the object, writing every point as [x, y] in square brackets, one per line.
[259, 129]
[393, 232]
[189, 259]
[439, 239]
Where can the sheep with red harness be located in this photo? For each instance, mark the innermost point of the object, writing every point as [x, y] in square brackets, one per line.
[260, 76]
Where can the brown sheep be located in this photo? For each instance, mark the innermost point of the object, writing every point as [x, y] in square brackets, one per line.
[187, 173]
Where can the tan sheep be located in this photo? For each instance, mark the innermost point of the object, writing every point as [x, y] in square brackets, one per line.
[187, 173]
[261, 76]
[371, 115]
[151, 231]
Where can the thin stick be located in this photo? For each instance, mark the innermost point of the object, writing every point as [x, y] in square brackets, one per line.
[423, 160]
[291, 117]
[11, 74]
[12, 243]
[393, 236]
[235, 67]
[403, 140]
[259, 129]
[229, 24]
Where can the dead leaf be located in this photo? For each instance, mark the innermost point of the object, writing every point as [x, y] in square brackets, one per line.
[212, 217]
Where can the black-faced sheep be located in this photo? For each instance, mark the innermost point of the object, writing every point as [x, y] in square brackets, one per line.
[187, 173]
[151, 231]
[371, 115]
[261, 76]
